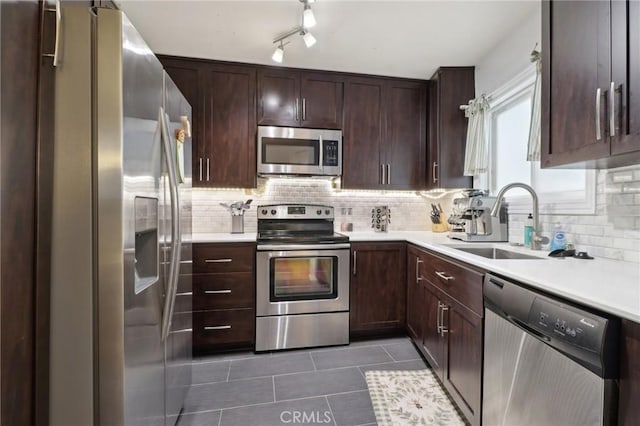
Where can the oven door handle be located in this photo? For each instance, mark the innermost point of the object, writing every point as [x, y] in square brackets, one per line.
[285, 247]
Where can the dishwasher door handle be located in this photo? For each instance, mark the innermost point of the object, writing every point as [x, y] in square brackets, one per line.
[527, 328]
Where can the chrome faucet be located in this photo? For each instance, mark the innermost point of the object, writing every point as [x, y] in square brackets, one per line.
[536, 239]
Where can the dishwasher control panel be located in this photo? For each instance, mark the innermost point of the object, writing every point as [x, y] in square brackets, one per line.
[567, 323]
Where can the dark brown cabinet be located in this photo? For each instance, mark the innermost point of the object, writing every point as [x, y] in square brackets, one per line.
[405, 124]
[222, 98]
[432, 342]
[187, 75]
[415, 294]
[452, 326]
[230, 127]
[449, 88]
[463, 360]
[294, 98]
[223, 297]
[384, 134]
[362, 134]
[590, 83]
[628, 408]
[377, 297]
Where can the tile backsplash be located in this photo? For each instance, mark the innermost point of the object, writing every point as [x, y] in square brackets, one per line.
[409, 210]
[613, 231]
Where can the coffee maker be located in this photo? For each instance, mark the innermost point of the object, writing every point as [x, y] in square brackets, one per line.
[471, 219]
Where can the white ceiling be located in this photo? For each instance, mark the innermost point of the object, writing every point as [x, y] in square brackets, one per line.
[394, 38]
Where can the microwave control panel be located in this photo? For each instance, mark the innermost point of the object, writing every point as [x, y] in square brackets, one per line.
[330, 153]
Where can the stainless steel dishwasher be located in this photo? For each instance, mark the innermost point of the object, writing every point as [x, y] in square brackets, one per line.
[546, 362]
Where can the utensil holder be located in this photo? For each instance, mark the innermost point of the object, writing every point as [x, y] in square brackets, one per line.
[237, 224]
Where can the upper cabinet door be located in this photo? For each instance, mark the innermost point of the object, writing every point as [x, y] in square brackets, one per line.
[362, 133]
[279, 101]
[405, 143]
[450, 87]
[321, 101]
[625, 60]
[230, 124]
[187, 76]
[576, 81]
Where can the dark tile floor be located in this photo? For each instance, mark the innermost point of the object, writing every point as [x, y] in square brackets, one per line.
[324, 386]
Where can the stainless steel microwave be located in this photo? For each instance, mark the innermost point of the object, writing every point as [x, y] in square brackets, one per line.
[299, 151]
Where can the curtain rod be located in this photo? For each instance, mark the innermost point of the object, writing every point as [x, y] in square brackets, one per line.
[465, 107]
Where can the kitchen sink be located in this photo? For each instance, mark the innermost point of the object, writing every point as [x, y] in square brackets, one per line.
[497, 253]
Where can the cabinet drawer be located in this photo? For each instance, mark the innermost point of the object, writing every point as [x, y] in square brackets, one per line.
[223, 291]
[216, 258]
[459, 281]
[224, 327]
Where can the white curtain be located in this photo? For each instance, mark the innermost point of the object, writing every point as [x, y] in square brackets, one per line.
[476, 158]
[533, 146]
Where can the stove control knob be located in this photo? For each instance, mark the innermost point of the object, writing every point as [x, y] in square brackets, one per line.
[327, 212]
[273, 212]
[319, 212]
[264, 211]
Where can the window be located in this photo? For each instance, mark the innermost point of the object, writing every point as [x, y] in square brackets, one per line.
[561, 191]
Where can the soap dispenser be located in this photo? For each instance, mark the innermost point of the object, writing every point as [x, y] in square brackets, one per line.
[528, 230]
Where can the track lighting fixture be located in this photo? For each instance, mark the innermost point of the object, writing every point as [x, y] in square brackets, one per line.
[308, 20]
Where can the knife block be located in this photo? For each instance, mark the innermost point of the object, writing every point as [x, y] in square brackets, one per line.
[443, 226]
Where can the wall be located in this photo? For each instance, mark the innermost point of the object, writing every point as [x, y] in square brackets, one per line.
[511, 55]
[614, 230]
[409, 210]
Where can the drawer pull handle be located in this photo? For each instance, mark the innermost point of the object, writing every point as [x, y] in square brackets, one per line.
[418, 277]
[443, 328]
[444, 276]
[218, 261]
[217, 291]
[218, 327]
[184, 330]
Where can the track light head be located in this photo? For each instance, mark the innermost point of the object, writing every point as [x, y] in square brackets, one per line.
[309, 39]
[308, 18]
[278, 54]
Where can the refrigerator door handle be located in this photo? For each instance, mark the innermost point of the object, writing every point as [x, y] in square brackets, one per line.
[176, 243]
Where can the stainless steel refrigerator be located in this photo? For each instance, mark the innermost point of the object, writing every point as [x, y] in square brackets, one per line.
[121, 252]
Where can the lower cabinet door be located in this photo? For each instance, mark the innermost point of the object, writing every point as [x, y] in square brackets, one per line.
[629, 409]
[463, 370]
[377, 296]
[222, 328]
[415, 296]
[432, 339]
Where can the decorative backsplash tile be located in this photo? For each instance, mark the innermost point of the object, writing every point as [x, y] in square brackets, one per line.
[409, 210]
[613, 231]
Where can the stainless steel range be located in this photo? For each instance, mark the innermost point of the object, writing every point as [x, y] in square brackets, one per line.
[302, 278]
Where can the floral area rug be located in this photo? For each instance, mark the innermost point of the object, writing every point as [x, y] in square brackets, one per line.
[408, 398]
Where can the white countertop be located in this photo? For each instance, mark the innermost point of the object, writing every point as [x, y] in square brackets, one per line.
[609, 285]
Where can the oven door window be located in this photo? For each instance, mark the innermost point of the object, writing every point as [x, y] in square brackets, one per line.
[303, 152]
[303, 278]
